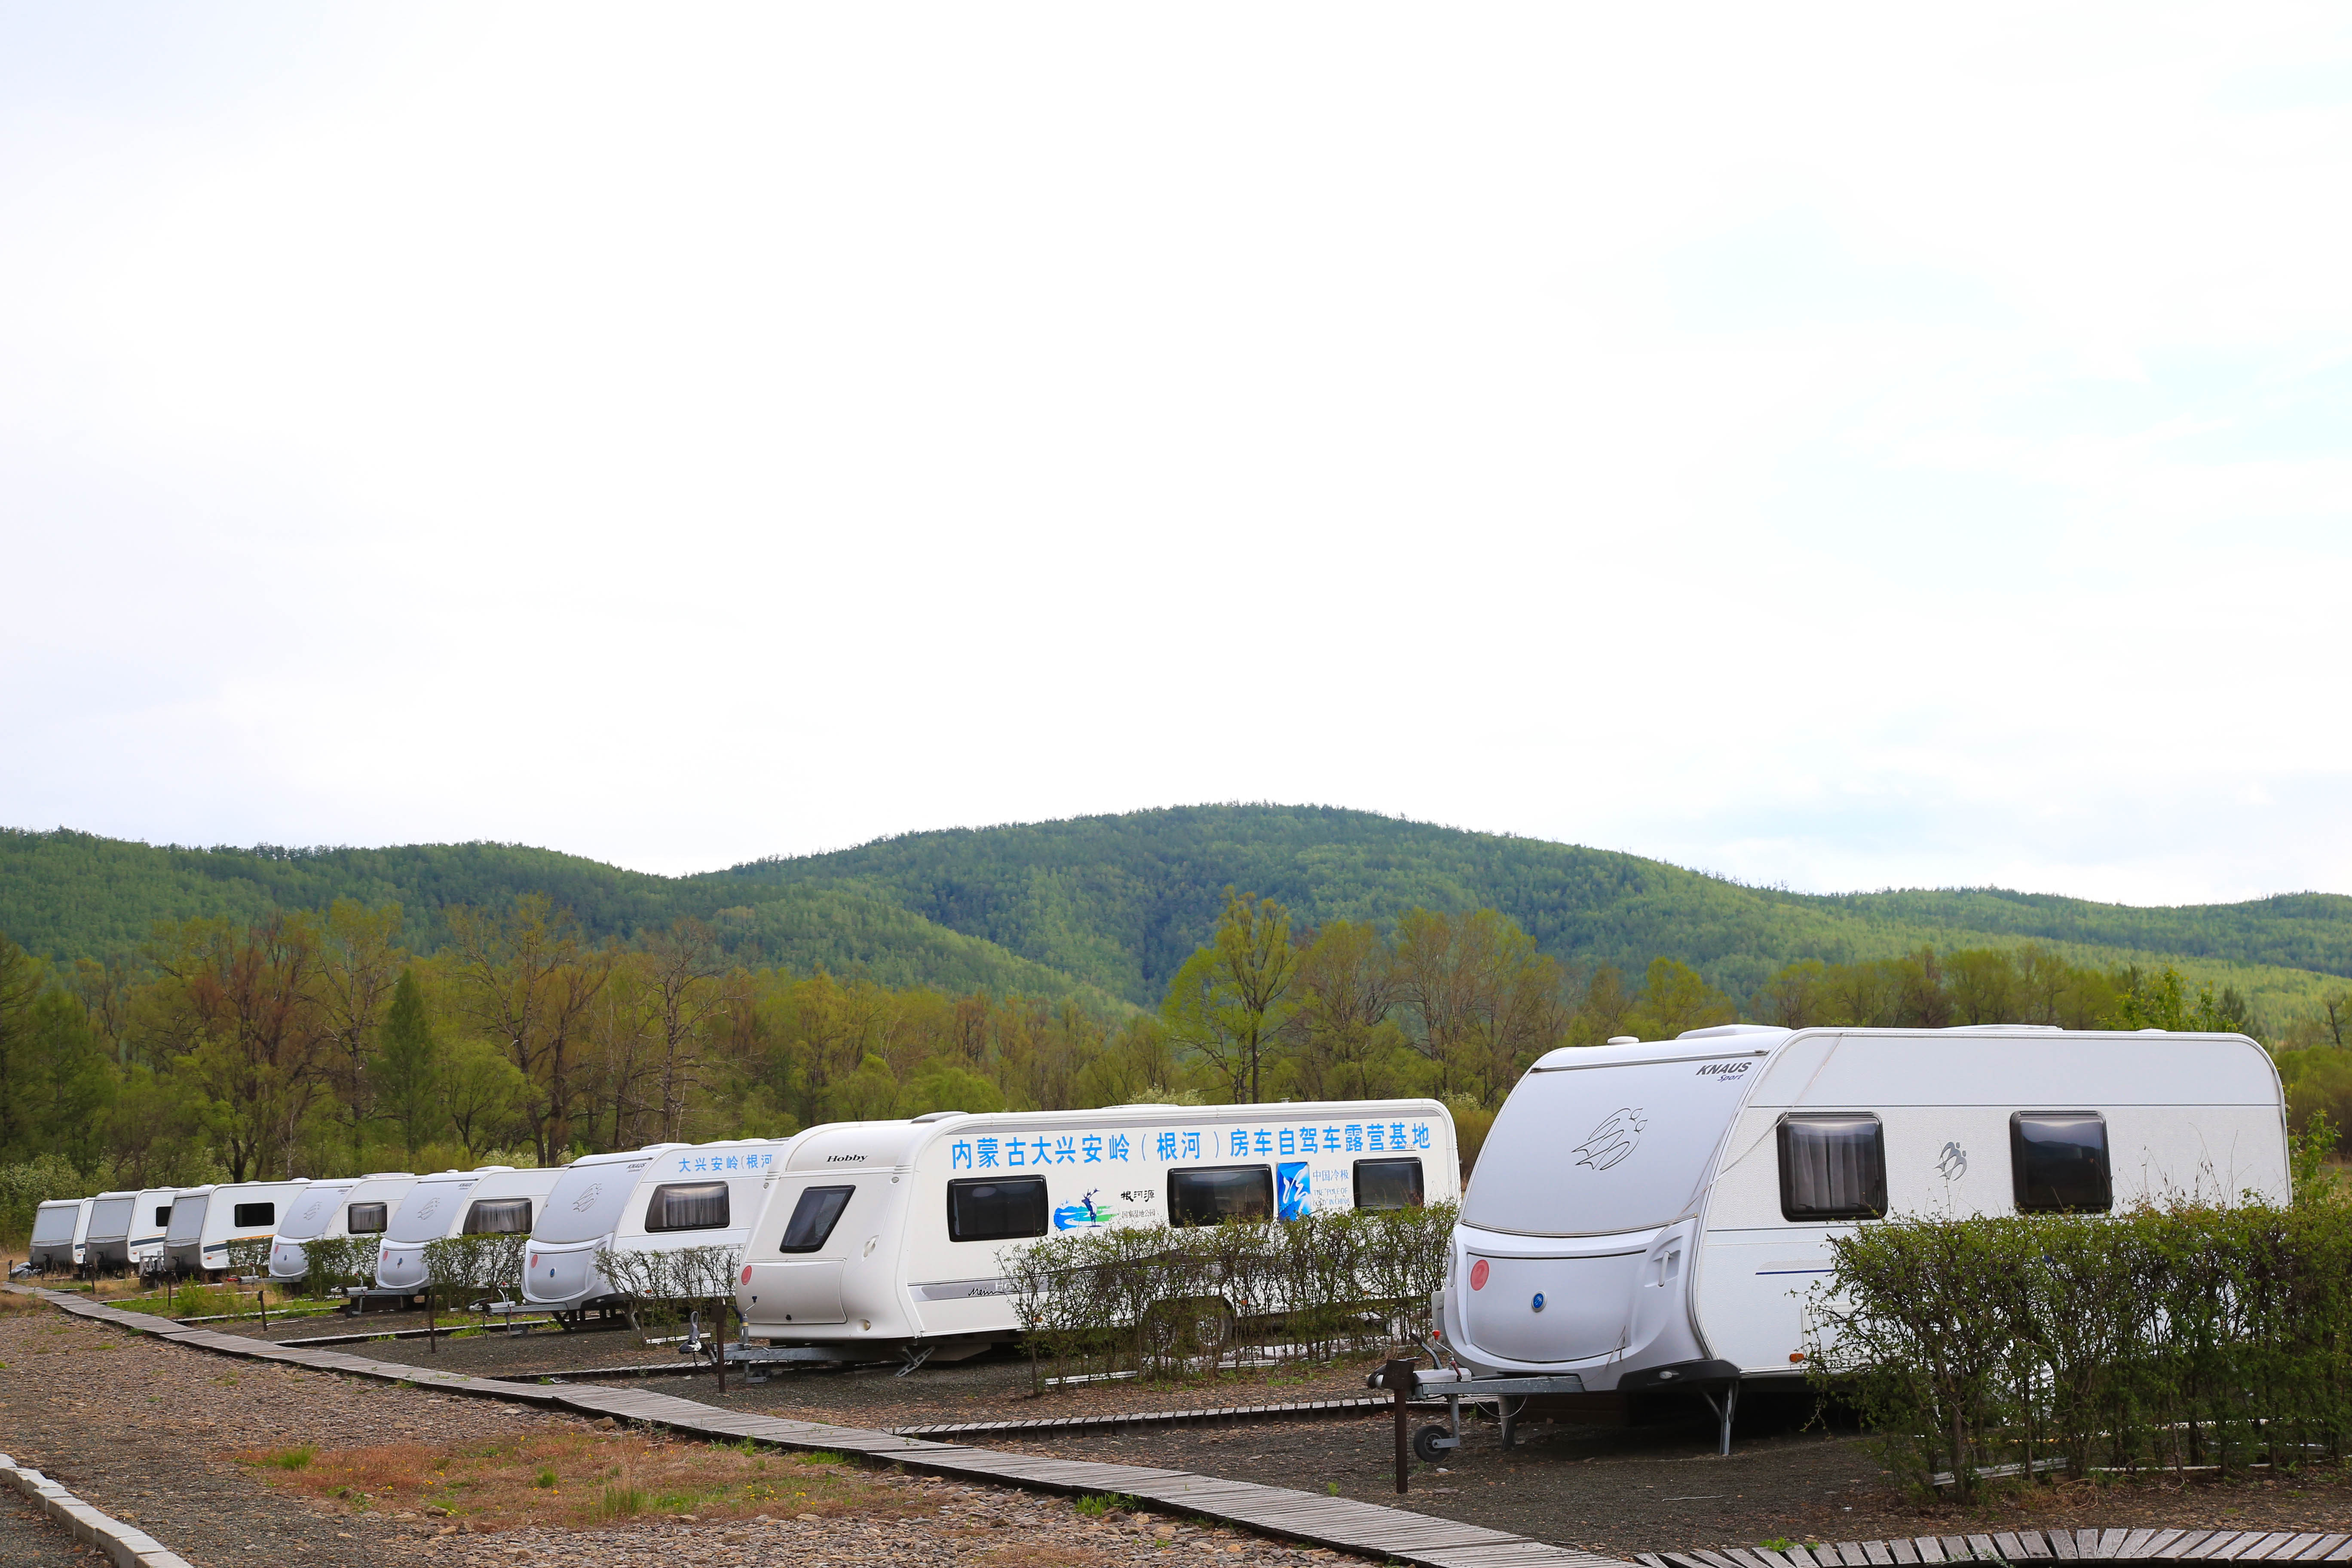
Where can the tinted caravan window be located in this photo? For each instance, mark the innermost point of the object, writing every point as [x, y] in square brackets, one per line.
[163, 1214]
[1833, 1167]
[55, 1224]
[814, 1217]
[368, 1219]
[2058, 1161]
[688, 1206]
[1388, 1183]
[498, 1216]
[244, 1215]
[1220, 1193]
[996, 1209]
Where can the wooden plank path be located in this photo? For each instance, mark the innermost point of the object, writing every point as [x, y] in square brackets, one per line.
[1295, 1410]
[2032, 1545]
[1342, 1523]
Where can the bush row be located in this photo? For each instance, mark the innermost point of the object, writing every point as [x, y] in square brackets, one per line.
[1164, 1300]
[2178, 1337]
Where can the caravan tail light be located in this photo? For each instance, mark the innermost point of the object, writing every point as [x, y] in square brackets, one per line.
[747, 1274]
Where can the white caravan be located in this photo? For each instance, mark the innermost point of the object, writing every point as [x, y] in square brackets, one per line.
[580, 1215]
[496, 1200]
[1671, 1242]
[183, 1230]
[106, 1244]
[233, 1211]
[59, 1226]
[347, 1206]
[661, 1198]
[882, 1236]
[150, 1218]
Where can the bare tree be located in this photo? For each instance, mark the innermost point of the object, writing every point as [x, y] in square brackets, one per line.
[359, 963]
[530, 982]
[683, 967]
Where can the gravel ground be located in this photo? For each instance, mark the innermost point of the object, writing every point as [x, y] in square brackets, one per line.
[995, 1386]
[1662, 1486]
[145, 1430]
[28, 1539]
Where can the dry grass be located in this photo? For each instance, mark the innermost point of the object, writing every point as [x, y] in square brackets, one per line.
[577, 1479]
[11, 1302]
[1040, 1555]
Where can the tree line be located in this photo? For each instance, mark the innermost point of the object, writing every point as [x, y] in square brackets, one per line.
[315, 1044]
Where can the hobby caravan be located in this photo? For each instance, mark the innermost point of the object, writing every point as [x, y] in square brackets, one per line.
[59, 1226]
[1650, 1215]
[206, 1219]
[106, 1248]
[347, 1206]
[496, 1200]
[887, 1237]
[662, 1199]
[151, 1217]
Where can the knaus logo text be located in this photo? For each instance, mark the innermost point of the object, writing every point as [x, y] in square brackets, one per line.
[1724, 1069]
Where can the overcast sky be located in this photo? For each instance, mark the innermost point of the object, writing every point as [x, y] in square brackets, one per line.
[1848, 448]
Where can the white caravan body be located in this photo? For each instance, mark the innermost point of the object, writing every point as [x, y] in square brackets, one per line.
[883, 1234]
[233, 1211]
[1651, 1211]
[494, 1200]
[106, 1239]
[705, 1195]
[151, 1217]
[347, 1206]
[579, 1218]
[185, 1230]
[59, 1226]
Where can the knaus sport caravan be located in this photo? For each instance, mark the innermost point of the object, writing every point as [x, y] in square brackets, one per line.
[1649, 1214]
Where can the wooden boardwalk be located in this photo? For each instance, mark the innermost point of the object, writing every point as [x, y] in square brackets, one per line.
[2033, 1545]
[1302, 1409]
[1342, 1523]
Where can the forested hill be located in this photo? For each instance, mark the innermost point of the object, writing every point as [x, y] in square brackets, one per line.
[70, 895]
[1122, 900]
[1115, 903]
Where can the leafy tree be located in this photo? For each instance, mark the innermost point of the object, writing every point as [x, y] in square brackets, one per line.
[530, 982]
[359, 958]
[484, 1097]
[1484, 1000]
[2161, 1002]
[1607, 1011]
[1348, 1045]
[1230, 999]
[405, 1071]
[1674, 999]
[240, 1015]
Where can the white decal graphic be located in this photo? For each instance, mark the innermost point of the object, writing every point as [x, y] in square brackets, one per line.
[1953, 1163]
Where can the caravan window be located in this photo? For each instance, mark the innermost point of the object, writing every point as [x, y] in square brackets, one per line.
[498, 1216]
[1220, 1193]
[1833, 1167]
[246, 1214]
[2058, 1161]
[163, 1214]
[813, 1218]
[1388, 1183]
[688, 1206]
[56, 1224]
[996, 1209]
[368, 1219]
[111, 1218]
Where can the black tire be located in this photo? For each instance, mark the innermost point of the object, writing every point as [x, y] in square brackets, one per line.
[1424, 1444]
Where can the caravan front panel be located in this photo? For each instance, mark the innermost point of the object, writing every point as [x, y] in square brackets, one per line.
[183, 1239]
[56, 1224]
[151, 1217]
[582, 1210]
[107, 1243]
[306, 1221]
[433, 1209]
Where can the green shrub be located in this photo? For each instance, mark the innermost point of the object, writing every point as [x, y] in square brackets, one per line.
[2185, 1337]
[1172, 1301]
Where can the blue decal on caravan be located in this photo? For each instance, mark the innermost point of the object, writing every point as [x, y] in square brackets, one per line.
[1291, 1182]
[1083, 1212]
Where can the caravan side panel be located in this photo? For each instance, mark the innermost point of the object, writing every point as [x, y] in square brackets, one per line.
[2186, 1116]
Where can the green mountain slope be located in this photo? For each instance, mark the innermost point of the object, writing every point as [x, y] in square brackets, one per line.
[1113, 904]
[66, 895]
[1121, 900]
